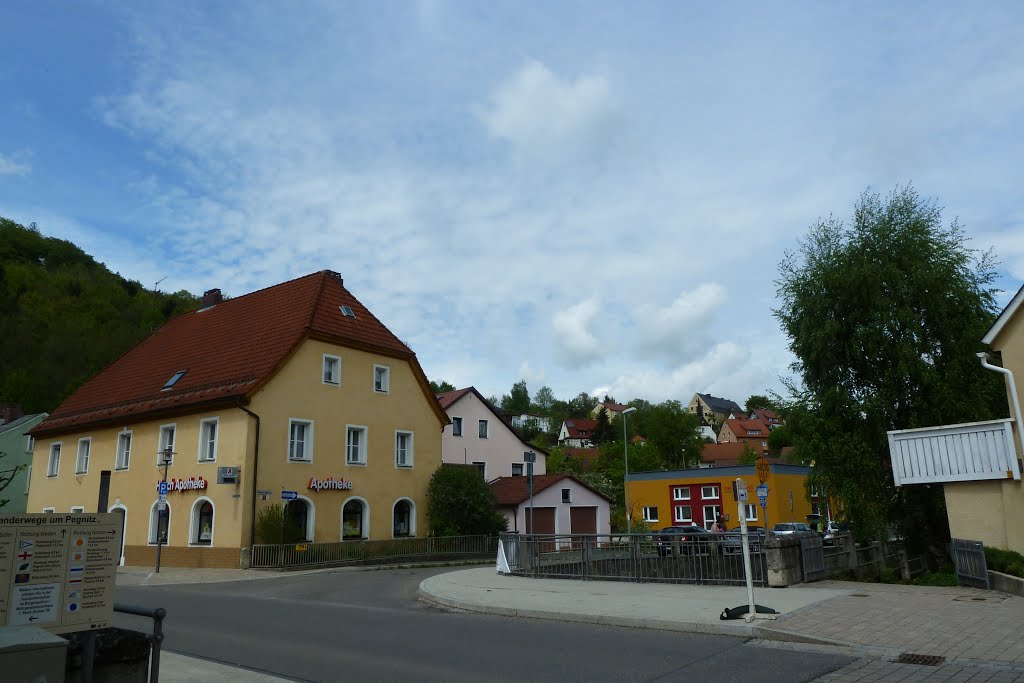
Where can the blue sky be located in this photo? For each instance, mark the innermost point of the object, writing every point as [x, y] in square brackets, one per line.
[592, 196]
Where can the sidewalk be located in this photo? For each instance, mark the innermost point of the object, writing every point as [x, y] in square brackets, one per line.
[965, 626]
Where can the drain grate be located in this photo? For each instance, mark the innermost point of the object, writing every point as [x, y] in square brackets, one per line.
[923, 660]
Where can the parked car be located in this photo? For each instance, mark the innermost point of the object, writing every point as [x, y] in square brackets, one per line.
[733, 541]
[684, 539]
[786, 528]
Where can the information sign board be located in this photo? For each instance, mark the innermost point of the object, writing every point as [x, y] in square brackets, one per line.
[289, 495]
[57, 571]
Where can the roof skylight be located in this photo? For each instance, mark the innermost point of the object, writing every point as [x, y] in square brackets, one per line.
[171, 382]
[347, 311]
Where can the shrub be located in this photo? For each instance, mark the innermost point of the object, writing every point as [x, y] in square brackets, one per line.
[1005, 561]
[461, 503]
[271, 525]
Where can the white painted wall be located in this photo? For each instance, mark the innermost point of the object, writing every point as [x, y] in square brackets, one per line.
[499, 450]
[552, 497]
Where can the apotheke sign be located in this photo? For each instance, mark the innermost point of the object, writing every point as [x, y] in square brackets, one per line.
[190, 484]
[330, 484]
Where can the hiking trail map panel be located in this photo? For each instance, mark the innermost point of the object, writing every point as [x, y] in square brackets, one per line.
[57, 571]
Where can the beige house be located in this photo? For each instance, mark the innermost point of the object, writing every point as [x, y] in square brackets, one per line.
[713, 409]
[977, 463]
[295, 394]
[478, 435]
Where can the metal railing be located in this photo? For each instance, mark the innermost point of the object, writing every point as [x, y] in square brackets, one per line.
[156, 638]
[700, 559]
[292, 555]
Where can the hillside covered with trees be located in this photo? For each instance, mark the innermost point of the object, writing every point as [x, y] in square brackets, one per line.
[63, 316]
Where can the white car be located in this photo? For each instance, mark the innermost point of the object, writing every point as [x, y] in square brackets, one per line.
[786, 528]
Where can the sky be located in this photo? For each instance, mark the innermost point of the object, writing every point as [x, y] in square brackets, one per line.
[589, 196]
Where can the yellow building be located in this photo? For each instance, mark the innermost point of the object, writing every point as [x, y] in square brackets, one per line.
[295, 394]
[699, 496]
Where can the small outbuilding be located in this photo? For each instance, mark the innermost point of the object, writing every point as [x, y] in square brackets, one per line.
[562, 504]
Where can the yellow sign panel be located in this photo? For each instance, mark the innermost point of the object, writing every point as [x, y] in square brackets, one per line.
[763, 469]
[301, 547]
[57, 571]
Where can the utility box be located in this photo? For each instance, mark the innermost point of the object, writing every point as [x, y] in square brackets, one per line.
[31, 655]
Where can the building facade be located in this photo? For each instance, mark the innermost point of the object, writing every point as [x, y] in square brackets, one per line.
[293, 395]
[479, 436]
[562, 504]
[698, 496]
[16, 446]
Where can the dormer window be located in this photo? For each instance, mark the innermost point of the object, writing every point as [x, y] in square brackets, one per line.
[174, 379]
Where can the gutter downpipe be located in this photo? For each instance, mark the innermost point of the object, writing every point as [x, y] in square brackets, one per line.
[255, 465]
[1014, 397]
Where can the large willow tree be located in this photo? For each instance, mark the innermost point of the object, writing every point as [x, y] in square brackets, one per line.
[884, 316]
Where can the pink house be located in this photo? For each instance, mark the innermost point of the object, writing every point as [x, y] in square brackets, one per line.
[479, 435]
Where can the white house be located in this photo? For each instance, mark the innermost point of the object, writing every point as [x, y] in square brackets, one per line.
[577, 432]
[526, 419]
[561, 505]
[478, 435]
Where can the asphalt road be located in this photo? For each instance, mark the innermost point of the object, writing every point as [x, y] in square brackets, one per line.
[369, 626]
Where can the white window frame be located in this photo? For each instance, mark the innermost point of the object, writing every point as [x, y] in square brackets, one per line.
[28, 478]
[716, 492]
[364, 530]
[77, 509]
[79, 461]
[648, 517]
[204, 440]
[409, 449]
[459, 422]
[336, 361]
[307, 440]
[193, 522]
[750, 511]
[163, 442]
[677, 514]
[362, 446]
[412, 517]
[123, 451]
[485, 424]
[30, 443]
[53, 463]
[517, 465]
[386, 383]
[680, 493]
[49, 509]
[709, 520]
[567, 496]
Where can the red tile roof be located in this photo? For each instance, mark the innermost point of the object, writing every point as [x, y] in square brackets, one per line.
[228, 352]
[612, 407]
[450, 397]
[513, 490]
[740, 427]
[767, 416]
[575, 425]
[638, 439]
[725, 454]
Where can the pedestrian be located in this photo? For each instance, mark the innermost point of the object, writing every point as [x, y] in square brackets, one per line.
[718, 528]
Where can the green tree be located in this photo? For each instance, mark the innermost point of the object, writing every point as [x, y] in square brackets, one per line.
[544, 400]
[884, 317]
[670, 429]
[7, 475]
[779, 438]
[759, 402]
[460, 503]
[603, 430]
[748, 456]
[442, 387]
[518, 402]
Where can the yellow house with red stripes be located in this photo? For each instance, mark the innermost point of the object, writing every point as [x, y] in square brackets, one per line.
[698, 496]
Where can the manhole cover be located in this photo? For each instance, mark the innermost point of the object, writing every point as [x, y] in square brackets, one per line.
[975, 598]
[923, 660]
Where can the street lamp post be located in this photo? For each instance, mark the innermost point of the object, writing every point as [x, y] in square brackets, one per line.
[166, 455]
[530, 457]
[625, 479]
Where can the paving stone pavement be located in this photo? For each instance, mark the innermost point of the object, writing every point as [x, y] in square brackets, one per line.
[880, 671]
[967, 626]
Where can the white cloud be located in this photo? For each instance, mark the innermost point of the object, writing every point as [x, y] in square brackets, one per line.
[682, 328]
[534, 378]
[576, 343]
[545, 117]
[15, 164]
[724, 368]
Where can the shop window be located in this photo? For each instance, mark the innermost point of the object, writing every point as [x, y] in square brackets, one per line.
[355, 520]
[202, 522]
[298, 521]
[159, 523]
[404, 519]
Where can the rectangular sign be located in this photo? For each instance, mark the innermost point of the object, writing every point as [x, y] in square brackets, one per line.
[57, 571]
[289, 495]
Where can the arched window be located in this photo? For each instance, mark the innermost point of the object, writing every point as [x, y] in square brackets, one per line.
[298, 521]
[355, 520]
[404, 518]
[201, 532]
[159, 523]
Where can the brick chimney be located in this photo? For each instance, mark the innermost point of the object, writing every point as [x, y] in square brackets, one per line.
[9, 411]
[212, 297]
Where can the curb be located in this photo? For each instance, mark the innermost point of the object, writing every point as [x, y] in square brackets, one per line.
[736, 630]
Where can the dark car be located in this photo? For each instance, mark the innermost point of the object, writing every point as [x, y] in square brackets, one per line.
[733, 541]
[682, 540]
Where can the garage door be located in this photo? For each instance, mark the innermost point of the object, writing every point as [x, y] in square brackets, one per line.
[583, 520]
[544, 520]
